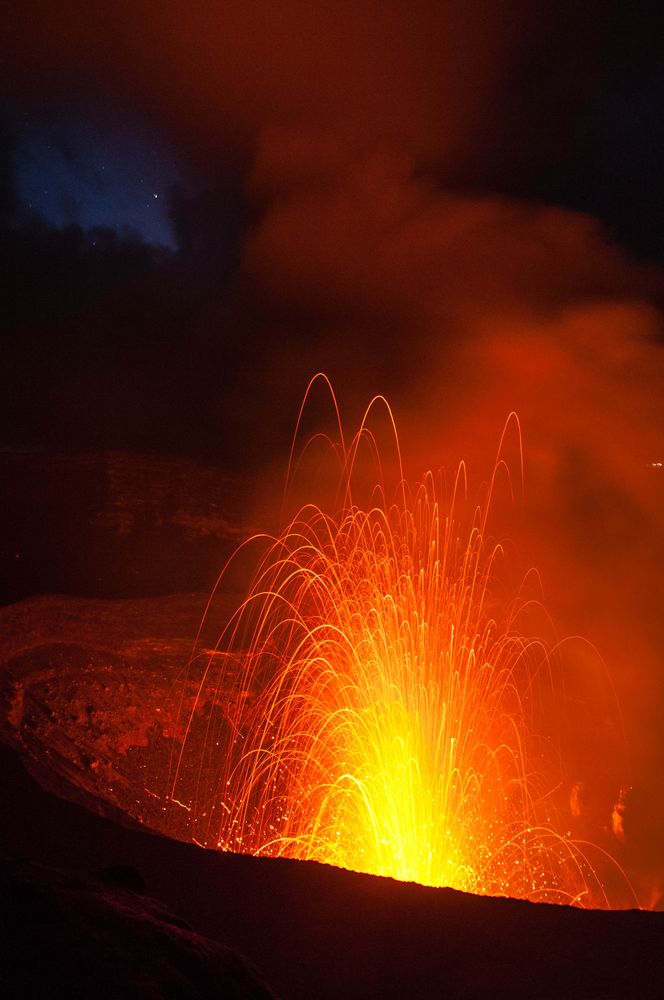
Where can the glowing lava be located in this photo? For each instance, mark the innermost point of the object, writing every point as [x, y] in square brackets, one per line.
[385, 710]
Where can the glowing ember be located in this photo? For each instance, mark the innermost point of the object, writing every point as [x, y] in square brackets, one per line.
[383, 718]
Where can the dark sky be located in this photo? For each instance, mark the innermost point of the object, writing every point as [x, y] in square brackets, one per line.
[326, 176]
[94, 165]
[107, 106]
[456, 204]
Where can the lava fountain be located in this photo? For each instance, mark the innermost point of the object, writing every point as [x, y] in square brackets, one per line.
[385, 705]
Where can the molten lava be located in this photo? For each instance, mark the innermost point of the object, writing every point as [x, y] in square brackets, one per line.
[385, 710]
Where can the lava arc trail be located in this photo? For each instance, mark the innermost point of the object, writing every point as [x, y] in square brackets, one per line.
[384, 714]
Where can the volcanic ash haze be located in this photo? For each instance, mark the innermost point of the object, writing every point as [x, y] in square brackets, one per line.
[396, 168]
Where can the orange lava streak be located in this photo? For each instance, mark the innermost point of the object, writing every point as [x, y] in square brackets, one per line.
[386, 709]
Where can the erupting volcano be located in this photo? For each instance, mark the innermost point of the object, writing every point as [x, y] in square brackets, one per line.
[383, 703]
[355, 685]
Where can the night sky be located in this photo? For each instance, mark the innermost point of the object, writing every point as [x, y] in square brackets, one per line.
[456, 204]
[89, 167]
[294, 186]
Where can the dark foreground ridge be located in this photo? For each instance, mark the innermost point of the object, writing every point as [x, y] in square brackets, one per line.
[316, 931]
[100, 937]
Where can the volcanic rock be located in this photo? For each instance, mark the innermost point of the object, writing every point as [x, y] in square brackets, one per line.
[78, 937]
[317, 931]
[115, 524]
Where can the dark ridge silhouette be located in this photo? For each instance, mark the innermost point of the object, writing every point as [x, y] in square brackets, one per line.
[77, 937]
[316, 931]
